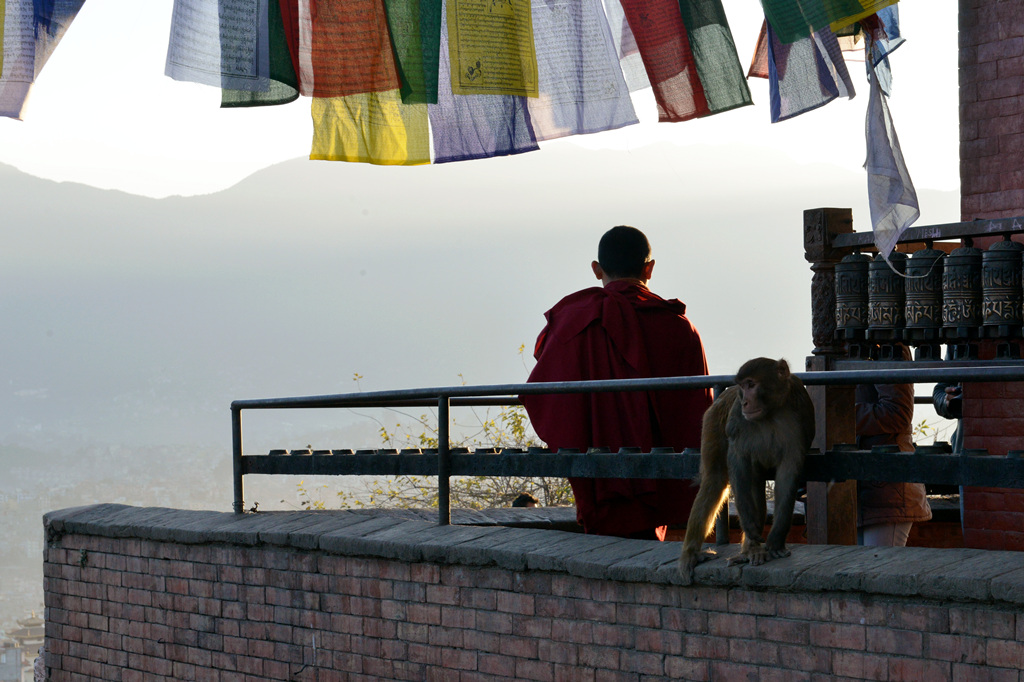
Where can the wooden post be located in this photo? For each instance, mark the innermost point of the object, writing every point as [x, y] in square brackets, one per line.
[831, 507]
[820, 224]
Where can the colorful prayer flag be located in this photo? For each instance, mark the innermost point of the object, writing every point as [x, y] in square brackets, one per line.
[882, 37]
[490, 45]
[803, 75]
[630, 61]
[477, 126]
[795, 19]
[415, 28]
[581, 85]
[223, 43]
[283, 83]
[869, 7]
[31, 30]
[371, 127]
[344, 48]
[690, 56]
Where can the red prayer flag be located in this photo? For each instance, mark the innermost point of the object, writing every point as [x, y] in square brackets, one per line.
[660, 34]
[351, 48]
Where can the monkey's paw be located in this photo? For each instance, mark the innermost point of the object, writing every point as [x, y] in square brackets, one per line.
[758, 555]
[751, 552]
[776, 552]
[688, 562]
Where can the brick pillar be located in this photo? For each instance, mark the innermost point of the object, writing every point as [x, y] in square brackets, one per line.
[992, 186]
[991, 109]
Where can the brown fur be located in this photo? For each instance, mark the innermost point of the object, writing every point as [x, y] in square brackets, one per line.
[762, 425]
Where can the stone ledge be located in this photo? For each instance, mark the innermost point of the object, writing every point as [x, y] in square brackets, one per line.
[965, 575]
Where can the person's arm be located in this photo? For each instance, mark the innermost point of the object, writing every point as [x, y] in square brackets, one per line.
[947, 401]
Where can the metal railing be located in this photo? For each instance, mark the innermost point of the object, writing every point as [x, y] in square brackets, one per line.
[927, 465]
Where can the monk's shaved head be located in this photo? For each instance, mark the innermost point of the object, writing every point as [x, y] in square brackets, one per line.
[623, 251]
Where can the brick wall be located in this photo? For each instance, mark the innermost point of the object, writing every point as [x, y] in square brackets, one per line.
[143, 594]
[991, 40]
[991, 35]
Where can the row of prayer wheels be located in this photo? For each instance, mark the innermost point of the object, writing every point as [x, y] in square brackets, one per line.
[930, 297]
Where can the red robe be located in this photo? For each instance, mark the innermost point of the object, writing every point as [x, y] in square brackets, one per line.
[617, 332]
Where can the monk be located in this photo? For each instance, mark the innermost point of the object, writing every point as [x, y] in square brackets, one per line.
[621, 331]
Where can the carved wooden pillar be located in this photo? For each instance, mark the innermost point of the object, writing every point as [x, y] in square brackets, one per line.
[820, 224]
[831, 507]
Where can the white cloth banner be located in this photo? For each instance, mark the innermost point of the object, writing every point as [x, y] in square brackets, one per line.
[891, 194]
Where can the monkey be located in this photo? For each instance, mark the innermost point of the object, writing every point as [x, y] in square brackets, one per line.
[763, 423]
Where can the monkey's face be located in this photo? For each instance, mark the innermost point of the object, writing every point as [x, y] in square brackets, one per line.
[751, 404]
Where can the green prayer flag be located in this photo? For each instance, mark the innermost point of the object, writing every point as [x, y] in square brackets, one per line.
[793, 20]
[415, 29]
[714, 53]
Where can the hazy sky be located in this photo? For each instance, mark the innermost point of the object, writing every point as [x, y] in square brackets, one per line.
[103, 113]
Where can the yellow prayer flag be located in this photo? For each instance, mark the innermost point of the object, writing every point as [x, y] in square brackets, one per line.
[372, 127]
[490, 45]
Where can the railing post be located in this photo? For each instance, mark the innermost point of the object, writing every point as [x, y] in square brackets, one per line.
[444, 463]
[831, 510]
[236, 457]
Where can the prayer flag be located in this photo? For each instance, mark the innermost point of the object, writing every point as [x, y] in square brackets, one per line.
[490, 47]
[31, 30]
[415, 28]
[344, 48]
[51, 19]
[803, 75]
[630, 61]
[477, 126]
[882, 37]
[714, 53]
[19, 57]
[794, 19]
[868, 7]
[371, 127]
[581, 85]
[283, 83]
[223, 43]
[690, 57]
[891, 194]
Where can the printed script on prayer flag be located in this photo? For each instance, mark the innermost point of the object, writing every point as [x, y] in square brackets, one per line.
[19, 57]
[283, 83]
[345, 48]
[490, 45]
[581, 85]
[30, 33]
[224, 44]
[468, 127]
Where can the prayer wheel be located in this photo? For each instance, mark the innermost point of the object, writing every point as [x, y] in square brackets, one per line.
[1001, 290]
[852, 296]
[886, 297]
[961, 293]
[923, 309]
